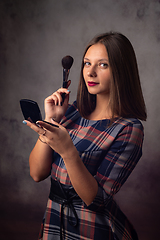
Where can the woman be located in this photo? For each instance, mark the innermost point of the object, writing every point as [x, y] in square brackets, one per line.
[95, 147]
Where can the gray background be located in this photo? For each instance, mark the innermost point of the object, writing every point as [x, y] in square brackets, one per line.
[34, 36]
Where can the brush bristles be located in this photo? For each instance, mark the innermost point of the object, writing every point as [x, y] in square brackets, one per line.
[67, 62]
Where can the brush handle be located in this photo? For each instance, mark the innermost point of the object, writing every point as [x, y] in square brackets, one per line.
[65, 78]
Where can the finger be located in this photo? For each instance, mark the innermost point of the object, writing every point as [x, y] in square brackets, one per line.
[34, 127]
[63, 93]
[50, 127]
[53, 99]
[68, 83]
[28, 123]
[56, 97]
[66, 100]
[66, 96]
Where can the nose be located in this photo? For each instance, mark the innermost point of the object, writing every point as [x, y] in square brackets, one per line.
[92, 72]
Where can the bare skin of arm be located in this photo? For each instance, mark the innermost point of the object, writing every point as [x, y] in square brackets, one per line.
[40, 160]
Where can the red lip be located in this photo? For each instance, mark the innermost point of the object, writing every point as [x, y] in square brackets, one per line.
[92, 84]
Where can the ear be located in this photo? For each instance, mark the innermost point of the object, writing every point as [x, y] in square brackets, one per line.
[68, 83]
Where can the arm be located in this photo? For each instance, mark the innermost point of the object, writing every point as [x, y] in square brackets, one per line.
[118, 163]
[83, 182]
[40, 159]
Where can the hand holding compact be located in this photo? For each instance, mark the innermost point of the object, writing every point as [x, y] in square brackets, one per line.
[56, 137]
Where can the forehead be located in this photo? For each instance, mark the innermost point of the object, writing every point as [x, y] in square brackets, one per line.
[97, 51]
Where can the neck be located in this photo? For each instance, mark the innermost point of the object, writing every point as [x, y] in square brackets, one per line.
[102, 110]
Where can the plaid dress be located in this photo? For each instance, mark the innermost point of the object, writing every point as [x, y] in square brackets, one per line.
[110, 154]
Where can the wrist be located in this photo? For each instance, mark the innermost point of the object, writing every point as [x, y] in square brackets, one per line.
[70, 154]
[41, 140]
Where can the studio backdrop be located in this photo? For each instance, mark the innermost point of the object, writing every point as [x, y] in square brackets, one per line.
[34, 36]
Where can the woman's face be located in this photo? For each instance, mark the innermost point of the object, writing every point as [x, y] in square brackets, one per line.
[96, 70]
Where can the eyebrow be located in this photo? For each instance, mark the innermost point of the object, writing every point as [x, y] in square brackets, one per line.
[103, 59]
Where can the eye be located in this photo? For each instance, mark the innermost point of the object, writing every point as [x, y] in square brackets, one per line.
[87, 64]
[103, 65]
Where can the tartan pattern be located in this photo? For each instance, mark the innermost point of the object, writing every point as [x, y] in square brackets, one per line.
[110, 155]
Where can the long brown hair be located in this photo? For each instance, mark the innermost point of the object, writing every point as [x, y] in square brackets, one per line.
[126, 98]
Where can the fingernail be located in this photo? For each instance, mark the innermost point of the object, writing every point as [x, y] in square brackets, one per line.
[68, 91]
[24, 122]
